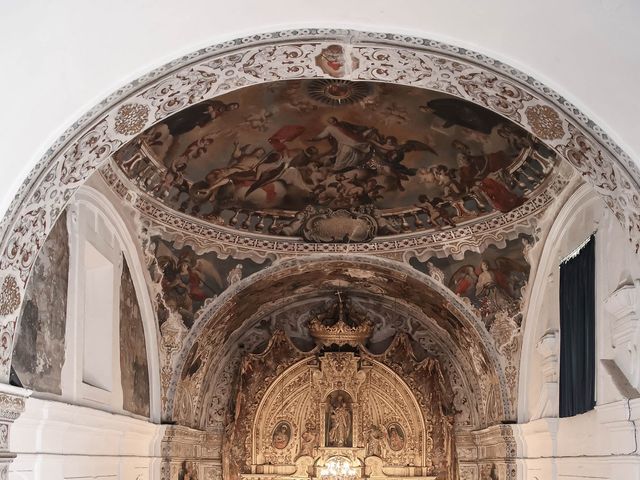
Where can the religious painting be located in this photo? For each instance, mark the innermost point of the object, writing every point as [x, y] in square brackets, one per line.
[332, 61]
[281, 436]
[339, 420]
[133, 353]
[258, 158]
[492, 280]
[395, 437]
[39, 352]
[188, 279]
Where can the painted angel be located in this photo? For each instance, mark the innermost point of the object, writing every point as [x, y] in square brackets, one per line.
[491, 289]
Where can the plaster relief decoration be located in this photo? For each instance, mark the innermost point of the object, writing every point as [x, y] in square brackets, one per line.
[334, 61]
[548, 349]
[9, 296]
[298, 413]
[40, 342]
[134, 366]
[337, 161]
[622, 307]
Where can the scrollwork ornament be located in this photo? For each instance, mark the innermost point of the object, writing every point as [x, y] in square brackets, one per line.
[178, 91]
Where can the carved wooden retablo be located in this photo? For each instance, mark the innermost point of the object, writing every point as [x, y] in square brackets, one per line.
[384, 416]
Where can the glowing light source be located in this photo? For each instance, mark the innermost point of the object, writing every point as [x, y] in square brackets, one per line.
[338, 468]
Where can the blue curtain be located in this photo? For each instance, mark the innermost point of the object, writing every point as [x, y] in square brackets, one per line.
[577, 332]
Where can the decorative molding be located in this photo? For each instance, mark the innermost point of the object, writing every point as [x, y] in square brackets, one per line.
[338, 226]
[12, 404]
[496, 230]
[547, 347]
[489, 453]
[624, 307]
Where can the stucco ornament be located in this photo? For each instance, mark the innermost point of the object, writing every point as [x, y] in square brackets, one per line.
[131, 118]
[545, 122]
[9, 296]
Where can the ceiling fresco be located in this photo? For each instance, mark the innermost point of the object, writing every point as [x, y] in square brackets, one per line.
[492, 281]
[186, 281]
[337, 161]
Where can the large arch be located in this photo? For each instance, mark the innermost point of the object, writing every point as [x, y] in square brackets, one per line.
[287, 55]
[580, 201]
[97, 201]
[232, 313]
[218, 383]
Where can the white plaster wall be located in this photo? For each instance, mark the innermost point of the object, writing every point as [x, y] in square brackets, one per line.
[61, 58]
[85, 433]
[602, 443]
[58, 441]
[98, 217]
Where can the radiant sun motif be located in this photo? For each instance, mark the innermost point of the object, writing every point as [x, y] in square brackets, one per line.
[338, 92]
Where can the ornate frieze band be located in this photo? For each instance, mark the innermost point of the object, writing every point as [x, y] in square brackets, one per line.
[453, 241]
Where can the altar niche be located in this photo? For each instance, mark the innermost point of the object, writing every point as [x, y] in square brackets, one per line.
[339, 420]
[387, 415]
[340, 404]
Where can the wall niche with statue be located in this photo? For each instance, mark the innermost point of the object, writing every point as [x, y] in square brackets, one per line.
[340, 411]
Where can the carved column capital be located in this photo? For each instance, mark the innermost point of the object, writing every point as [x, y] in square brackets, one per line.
[12, 404]
[547, 347]
[623, 306]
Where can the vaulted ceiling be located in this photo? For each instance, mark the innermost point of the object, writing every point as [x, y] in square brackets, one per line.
[283, 158]
[227, 190]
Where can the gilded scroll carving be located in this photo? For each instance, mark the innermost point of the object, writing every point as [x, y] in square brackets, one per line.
[389, 414]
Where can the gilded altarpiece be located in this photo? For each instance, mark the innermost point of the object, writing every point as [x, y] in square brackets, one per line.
[388, 415]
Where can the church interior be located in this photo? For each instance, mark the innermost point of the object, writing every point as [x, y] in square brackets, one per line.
[324, 254]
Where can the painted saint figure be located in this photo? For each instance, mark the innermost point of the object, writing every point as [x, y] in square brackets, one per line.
[396, 438]
[489, 289]
[281, 436]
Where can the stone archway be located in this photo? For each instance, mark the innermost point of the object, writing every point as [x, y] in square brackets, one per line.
[293, 55]
[234, 312]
